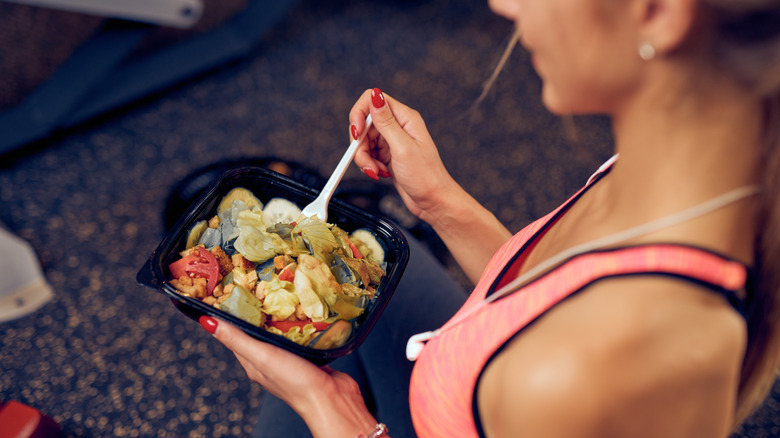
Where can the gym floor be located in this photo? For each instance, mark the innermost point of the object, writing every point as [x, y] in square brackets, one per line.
[107, 357]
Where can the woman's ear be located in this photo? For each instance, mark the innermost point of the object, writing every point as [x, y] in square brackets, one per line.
[665, 24]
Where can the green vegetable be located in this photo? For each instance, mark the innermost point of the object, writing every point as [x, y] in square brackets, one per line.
[193, 236]
[253, 242]
[355, 295]
[283, 230]
[318, 237]
[242, 304]
[369, 272]
[227, 279]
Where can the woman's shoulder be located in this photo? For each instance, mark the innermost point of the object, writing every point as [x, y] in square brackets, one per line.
[634, 356]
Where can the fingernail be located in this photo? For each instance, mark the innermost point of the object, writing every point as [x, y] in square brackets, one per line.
[208, 323]
[377, 98]
[371, 174]
[354, 132]
[384, 174]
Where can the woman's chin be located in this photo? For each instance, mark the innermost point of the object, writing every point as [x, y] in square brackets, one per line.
[562, 104]
[554, 103]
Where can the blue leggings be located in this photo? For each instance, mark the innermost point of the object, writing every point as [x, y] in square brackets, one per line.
[426, 297]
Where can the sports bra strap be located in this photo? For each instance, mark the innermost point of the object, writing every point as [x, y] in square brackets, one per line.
[707, 268]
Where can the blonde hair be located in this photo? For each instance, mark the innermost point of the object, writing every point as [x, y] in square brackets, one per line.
[500, 66]
[748, 45]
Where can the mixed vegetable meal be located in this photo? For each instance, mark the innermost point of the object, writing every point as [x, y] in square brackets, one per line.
[276, 269]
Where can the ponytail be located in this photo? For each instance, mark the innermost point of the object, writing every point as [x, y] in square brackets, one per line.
[748, 46]
[762, 357]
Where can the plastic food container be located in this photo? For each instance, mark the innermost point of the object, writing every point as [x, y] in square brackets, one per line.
[266, 184]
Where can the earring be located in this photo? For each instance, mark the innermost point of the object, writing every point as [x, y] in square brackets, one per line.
[646, 51]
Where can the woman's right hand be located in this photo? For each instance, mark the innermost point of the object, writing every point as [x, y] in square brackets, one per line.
[398, 144]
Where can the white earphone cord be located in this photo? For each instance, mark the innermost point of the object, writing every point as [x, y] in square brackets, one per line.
[416, 342]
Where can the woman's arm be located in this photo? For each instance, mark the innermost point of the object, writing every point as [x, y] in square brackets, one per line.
[399, 145]
[471, 232]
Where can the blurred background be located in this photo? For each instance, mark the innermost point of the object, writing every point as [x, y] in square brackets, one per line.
[110, 126]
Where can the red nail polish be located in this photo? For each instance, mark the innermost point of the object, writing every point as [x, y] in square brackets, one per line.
[354, 132]
[377, 98]
[208, 323]
[384, 174]
[371, 174]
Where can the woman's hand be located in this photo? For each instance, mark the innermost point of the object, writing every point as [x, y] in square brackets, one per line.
[399, 144]
[329, 401]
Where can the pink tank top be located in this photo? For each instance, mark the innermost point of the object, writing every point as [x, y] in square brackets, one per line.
[445, 376]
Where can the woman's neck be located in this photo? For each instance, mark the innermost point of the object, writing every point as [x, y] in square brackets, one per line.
[695, 140]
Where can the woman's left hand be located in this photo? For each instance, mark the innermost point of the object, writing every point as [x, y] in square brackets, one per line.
[329, 401]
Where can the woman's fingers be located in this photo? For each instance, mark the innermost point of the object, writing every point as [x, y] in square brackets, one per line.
[372, 158]
[233, 338]
[268, 361]
[371, 161]
[327, 400]
[365, 158]
[395, 126]
[385, 121]
[358, 114]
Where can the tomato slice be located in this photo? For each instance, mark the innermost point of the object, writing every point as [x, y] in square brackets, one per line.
[287, 274]
[287, 325]
[200, 264]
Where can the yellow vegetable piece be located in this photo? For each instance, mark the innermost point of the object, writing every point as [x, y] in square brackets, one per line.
[346, 310]
[240, 194]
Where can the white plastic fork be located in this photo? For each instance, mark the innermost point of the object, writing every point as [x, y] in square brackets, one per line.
[319, 207]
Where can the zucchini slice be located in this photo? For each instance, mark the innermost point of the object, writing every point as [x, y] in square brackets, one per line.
[240, 194]
[366, 238]
[193, 236]
[280, 211]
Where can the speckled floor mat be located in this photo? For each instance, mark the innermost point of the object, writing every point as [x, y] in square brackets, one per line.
[107, 357]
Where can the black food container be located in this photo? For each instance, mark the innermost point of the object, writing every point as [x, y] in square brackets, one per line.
[267, 184]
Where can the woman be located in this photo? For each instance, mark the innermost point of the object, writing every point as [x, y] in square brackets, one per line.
[647, 304]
